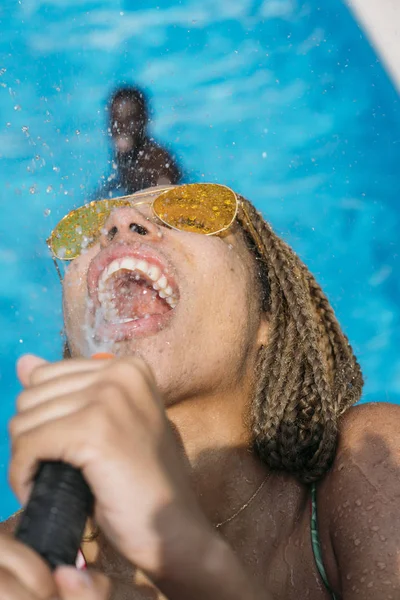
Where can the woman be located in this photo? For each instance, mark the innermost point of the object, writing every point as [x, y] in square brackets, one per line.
[222, 425]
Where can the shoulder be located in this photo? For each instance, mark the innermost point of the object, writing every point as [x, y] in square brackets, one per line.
[368, 451]
[358, 499]
[375, 416]
[156, 152]
[367, 434]
[152, 148]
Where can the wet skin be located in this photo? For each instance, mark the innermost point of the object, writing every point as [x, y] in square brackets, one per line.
[202, 359]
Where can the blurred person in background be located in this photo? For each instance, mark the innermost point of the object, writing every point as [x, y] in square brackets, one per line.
[140, 162]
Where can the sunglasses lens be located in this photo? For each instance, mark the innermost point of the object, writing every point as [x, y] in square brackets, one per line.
[81, 228]
[199, 208]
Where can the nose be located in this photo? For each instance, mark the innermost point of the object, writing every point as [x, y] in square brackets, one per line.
[126, 225]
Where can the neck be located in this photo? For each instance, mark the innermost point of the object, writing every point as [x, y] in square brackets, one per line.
[217, 442]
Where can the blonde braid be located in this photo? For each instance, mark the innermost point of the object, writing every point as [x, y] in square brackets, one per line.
[307, 375]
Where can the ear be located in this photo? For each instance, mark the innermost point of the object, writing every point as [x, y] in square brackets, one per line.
[263, 331]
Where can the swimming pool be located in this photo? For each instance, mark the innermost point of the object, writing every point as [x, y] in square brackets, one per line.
[285, 101]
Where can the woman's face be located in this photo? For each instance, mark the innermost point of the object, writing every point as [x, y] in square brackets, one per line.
[199, 330]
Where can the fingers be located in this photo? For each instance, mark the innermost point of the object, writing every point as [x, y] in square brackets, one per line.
[48, 381]
[59, 439]
[11, 588]
[33, 370]
[23, 574]
[42, 411]
[25, 365]
[81, 585]
[53, 388]
[79, 438]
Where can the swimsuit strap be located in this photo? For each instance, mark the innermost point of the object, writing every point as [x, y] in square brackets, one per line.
[316, 543]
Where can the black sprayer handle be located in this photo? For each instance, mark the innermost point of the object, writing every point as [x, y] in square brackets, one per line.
[54, 519]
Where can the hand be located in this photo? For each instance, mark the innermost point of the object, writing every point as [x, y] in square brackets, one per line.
[106, 418]
[25, 576]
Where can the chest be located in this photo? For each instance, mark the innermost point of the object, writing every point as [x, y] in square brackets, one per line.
[281, 562]
[279, 556]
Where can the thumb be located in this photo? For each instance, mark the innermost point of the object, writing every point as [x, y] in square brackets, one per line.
[25, 365]
[81, 585]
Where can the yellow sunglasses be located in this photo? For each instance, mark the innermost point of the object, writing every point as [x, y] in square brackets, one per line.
[205, 208]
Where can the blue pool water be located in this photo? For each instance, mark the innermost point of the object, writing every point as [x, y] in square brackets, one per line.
[284, 100]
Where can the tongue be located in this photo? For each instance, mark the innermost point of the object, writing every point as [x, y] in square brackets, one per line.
[136, 299]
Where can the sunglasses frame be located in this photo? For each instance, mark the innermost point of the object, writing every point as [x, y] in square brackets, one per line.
[151, 192]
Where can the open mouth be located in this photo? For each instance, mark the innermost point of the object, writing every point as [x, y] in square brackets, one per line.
[133, 295]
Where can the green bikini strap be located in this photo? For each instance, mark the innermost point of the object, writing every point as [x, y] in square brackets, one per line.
[315, 541]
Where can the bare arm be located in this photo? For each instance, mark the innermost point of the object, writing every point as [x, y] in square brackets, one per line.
[362, 498]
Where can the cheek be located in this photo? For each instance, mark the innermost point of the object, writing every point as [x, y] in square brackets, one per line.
[225, 290]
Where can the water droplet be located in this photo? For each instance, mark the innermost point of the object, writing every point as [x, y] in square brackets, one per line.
[78, 132]
[357, 542]
[2, 71]
[56, 169]
[21, 341]
[381, 565]
[25, 128]
[17, 107]
[358, 502]
[49, 189]
[46, 212]
[32, 189]
[264, 155]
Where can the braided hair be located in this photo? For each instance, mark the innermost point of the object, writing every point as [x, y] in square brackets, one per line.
[307, 374]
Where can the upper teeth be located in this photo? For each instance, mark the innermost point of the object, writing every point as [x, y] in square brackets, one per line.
[152, 272]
